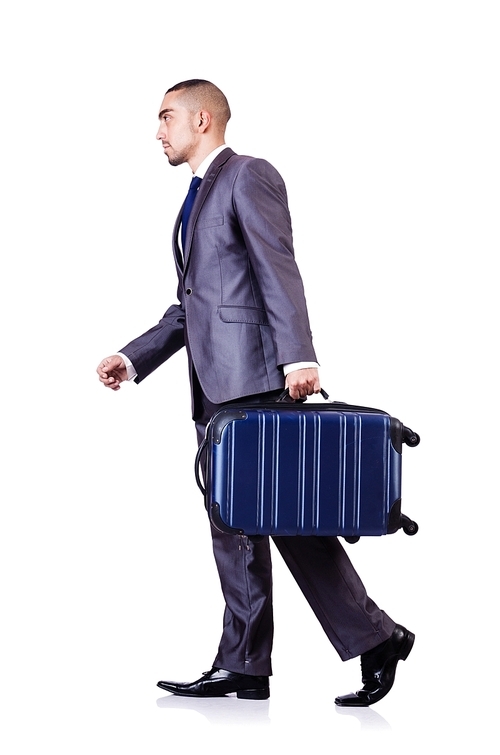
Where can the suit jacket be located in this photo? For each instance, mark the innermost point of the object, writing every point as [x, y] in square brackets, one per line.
[242, 312]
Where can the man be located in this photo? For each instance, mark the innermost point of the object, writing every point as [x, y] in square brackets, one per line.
[243, 319]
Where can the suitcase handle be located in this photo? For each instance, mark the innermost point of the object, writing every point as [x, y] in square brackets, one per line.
[286, 395]
[197, 464]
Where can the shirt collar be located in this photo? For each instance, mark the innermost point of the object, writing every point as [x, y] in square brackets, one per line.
[205, 164]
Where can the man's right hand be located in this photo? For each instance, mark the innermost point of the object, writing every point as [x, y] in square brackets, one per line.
[112, 372]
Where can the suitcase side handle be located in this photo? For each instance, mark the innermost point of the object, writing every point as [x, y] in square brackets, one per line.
[197, 464]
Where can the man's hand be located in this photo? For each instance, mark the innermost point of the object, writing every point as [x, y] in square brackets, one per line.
[302, 383]
[112, 372]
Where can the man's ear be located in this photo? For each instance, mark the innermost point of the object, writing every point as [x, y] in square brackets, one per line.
[204, 119]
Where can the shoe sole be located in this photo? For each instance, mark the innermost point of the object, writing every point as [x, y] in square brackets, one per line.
[253, 694]
[241, 694]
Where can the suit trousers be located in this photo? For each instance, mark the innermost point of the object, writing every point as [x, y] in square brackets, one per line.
[321, 568]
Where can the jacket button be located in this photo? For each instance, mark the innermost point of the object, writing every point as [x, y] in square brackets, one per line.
[189, 291]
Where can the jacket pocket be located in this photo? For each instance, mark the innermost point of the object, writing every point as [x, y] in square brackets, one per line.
[252, 315]
[209, 222]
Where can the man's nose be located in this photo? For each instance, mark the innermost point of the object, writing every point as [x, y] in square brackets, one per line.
[159, 134]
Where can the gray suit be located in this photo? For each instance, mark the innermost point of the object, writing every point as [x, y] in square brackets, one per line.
[241, 312]
[242, 315]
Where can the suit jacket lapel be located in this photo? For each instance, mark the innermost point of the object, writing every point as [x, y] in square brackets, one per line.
[203, 192]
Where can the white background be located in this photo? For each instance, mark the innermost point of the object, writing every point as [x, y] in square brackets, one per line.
[383, 119]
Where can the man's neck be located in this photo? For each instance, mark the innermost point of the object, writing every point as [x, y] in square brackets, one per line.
[204, 165]
[202, 155]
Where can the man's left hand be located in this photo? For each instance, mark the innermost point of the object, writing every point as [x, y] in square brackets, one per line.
[302, 383]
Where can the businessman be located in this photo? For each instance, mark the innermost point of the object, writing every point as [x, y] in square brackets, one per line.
[242, 316]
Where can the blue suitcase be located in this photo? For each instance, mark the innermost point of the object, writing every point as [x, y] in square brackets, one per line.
[304, 469]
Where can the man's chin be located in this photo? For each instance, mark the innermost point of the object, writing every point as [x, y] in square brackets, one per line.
[174, 160]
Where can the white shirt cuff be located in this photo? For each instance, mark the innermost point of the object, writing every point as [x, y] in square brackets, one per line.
[131, 373]
[298, 366]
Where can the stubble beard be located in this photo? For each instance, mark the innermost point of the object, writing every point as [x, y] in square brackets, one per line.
[182, 156]
[177, 159]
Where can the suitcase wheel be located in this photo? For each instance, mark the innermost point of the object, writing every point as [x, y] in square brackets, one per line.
[410, 438]
[409, 527]
[351, 539]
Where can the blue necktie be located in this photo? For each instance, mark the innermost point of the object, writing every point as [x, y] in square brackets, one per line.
[188, 206]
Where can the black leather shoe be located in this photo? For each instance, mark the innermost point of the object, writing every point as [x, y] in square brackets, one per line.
[378, 669]
[217, 683]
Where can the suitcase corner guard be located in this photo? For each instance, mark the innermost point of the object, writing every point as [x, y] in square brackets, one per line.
[218, 522]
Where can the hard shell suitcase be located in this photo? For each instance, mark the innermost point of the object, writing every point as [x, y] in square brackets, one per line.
[304, 469]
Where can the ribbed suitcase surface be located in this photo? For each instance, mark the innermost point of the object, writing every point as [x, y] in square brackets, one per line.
[304, 470]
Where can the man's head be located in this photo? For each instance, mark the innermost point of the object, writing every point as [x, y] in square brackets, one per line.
[193, 118]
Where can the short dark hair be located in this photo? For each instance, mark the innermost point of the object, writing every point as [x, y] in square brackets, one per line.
[203, 94]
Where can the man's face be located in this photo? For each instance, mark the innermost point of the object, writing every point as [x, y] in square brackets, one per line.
[177, 131]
